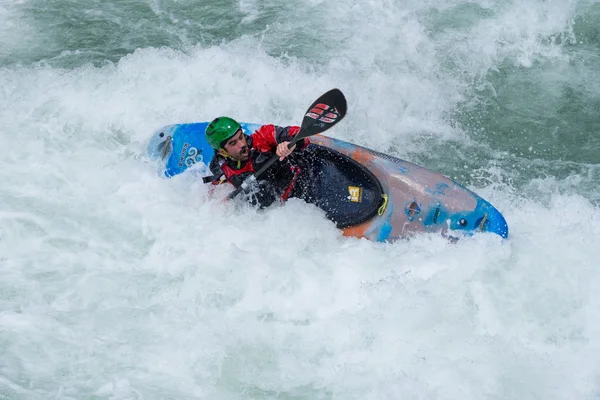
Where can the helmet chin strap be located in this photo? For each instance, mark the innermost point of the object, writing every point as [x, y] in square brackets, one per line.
[224, 152]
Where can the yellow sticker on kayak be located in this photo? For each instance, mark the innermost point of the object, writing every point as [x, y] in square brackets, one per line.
[355, 194]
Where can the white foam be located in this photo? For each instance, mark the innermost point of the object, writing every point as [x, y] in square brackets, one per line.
[118, 284]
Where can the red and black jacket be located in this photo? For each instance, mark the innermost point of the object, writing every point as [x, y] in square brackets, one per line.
[262, 144]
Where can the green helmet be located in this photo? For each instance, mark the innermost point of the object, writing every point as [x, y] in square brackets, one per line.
[220, 130]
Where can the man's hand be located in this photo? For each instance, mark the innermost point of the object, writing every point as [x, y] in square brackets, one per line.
[283, 151]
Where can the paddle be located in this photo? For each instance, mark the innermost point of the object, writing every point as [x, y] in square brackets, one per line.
[323, 113]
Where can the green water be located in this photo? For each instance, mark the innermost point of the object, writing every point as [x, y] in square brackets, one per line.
[116, 284]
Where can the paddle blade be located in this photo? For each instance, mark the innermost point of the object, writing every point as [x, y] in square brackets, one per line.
[326, 111]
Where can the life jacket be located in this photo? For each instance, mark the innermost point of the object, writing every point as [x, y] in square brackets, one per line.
[280, 177]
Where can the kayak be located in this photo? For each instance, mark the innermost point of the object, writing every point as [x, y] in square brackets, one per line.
[366, 193]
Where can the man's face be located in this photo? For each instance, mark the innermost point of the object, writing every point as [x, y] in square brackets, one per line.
[237, 146]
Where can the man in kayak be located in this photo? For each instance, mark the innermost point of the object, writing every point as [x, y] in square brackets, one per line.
[238, 155]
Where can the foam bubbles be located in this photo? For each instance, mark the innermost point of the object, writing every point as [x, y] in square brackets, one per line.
[118, 284]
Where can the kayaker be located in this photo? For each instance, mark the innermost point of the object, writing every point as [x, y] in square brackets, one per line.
[238, 155]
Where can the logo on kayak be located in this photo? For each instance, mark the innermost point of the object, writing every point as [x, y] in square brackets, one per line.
[189, 155]
[355, 194]
[412, 210]
[331, 113]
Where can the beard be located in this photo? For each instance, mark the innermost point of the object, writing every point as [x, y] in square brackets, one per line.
[245, 153]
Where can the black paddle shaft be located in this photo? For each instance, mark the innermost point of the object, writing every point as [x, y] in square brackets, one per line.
[323, 113]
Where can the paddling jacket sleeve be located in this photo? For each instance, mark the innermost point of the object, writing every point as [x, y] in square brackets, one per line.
[267, 137]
